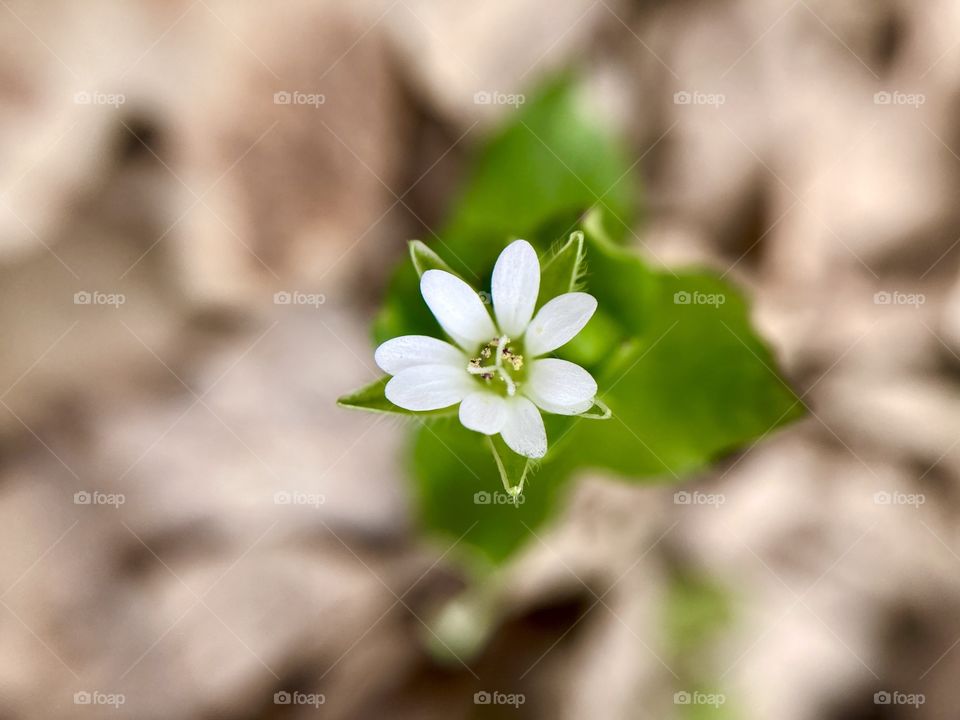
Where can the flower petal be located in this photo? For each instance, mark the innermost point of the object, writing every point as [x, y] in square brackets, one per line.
[515, 286]
[483, 411]
[411, 350]
[458, 309]
[523, 431]
[557, 409]
[429, 387]
[560, 387]
[558, 322]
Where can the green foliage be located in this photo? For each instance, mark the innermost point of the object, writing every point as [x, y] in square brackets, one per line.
[692, 381]
[423, 259]
[458, 494]
[696, 612]
[372, 399]
[675, 356]
[563, 270]
[513, 468]
[551, 160]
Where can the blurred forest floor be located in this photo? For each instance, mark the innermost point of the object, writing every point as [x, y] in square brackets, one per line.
[144, 154]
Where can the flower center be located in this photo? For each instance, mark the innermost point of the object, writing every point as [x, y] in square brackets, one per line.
[499, 363]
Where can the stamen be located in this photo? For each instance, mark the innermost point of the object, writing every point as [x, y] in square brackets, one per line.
[501, 346]
[474, 368]
[498, 347]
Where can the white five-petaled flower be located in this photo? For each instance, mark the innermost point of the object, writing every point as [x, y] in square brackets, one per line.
[496, 370]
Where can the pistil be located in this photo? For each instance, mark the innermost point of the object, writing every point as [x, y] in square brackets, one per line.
[502, 355]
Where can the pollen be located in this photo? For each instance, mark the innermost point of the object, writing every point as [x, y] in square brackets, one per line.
[474, 367]
[503, 356]
[516, 361]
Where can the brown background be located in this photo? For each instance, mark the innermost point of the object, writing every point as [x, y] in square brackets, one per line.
[199, 398]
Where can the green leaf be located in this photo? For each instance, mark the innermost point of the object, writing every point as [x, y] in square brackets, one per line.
[552, 157]
[625, 288]
[562, 271]
[371, 398]
[513, 468]
[693, 383]
[596, 342]
[424, 259]
[458, 497]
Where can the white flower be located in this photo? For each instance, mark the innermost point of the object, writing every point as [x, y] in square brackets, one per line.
[494, 371]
